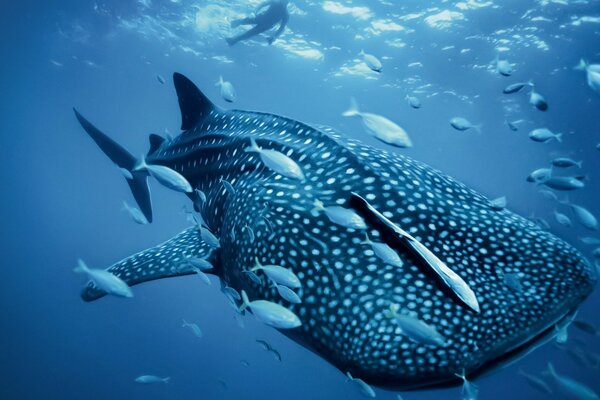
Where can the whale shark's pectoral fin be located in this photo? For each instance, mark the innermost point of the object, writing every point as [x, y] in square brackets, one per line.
[430, 264]
[166, 260]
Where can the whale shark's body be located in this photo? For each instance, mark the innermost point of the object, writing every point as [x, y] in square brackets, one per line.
[346, 289]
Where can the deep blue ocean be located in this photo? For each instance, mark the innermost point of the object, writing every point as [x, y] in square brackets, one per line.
[61, 197]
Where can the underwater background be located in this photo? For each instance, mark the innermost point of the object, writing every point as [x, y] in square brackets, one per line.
[61, 197]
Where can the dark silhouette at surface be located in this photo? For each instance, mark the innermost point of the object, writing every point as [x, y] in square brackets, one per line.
[267, 15]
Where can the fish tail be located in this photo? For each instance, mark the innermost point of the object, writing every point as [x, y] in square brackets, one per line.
[352, 110]
[362, 52]
[558, 137]
[550, 369]
[81, 267]
[367, 239]
[167, 379]
[582, 66]
[253, 148]
[245, 301]
[138, 183]
[478, 127]
[317, 206]
[184, 323]
[220, 81]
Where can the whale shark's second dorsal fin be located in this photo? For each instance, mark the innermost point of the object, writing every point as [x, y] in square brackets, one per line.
[193, 103]
[155, 142]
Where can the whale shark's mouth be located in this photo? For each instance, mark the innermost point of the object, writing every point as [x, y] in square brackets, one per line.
[516, 351]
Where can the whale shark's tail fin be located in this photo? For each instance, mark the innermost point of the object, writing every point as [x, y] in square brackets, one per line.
[168, 259]
[137, 180]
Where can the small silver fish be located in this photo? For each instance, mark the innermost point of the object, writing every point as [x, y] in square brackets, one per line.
[585, 326]
[535, 382]
[287, 294]
[570, 387]
[413, 101]
[160, 79]
[537, 100]
[384, 252]
[208, 237]
[565, 162]
[516, 87]
[543, 135]
[200, 263]
[585, 217]
[364, 388]
[562, 219]
[166, 176]
[564, 183]
[341, 216]
[469, 391]
[499, 203]
[105, 280]
[227, 90]
[372, 62]
[202, 276]
[592, 74]
[253, 277]
[548, 194]
[463, 124]
[193, 327]
[590, 240]
[379, 127]
[277, 161]
[228, 187]
[415, 329]
[271, 313]
[278, 274]
[503, 67]
[135, 214]
[540, 175]
[250, 231]
[150, 379]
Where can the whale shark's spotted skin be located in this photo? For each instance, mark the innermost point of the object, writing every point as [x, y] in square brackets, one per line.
[345, 287]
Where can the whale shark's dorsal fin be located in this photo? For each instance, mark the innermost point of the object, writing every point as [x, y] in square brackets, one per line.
[193, 103]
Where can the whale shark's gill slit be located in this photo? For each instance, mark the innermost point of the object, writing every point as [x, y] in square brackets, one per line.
[430, 264]
[166, 260]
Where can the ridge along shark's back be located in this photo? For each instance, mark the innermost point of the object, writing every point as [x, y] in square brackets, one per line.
[459, 256]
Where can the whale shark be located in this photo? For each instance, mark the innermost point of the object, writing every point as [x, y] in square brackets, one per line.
[452, 250]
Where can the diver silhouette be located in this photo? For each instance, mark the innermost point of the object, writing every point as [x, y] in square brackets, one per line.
[266, 16]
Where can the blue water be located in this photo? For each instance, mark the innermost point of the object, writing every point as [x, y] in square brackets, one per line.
[61, 196]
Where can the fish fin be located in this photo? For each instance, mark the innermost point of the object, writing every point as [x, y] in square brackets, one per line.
[550, 369]
[124, 159]
[155, 142]
[162, 261]
[81, 267]
[352, 110]
[194, 105]
[253, 148]
[392, 235]
[245, 301]
[582, 66]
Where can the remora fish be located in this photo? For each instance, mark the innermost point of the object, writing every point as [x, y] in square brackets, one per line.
[447, 236]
